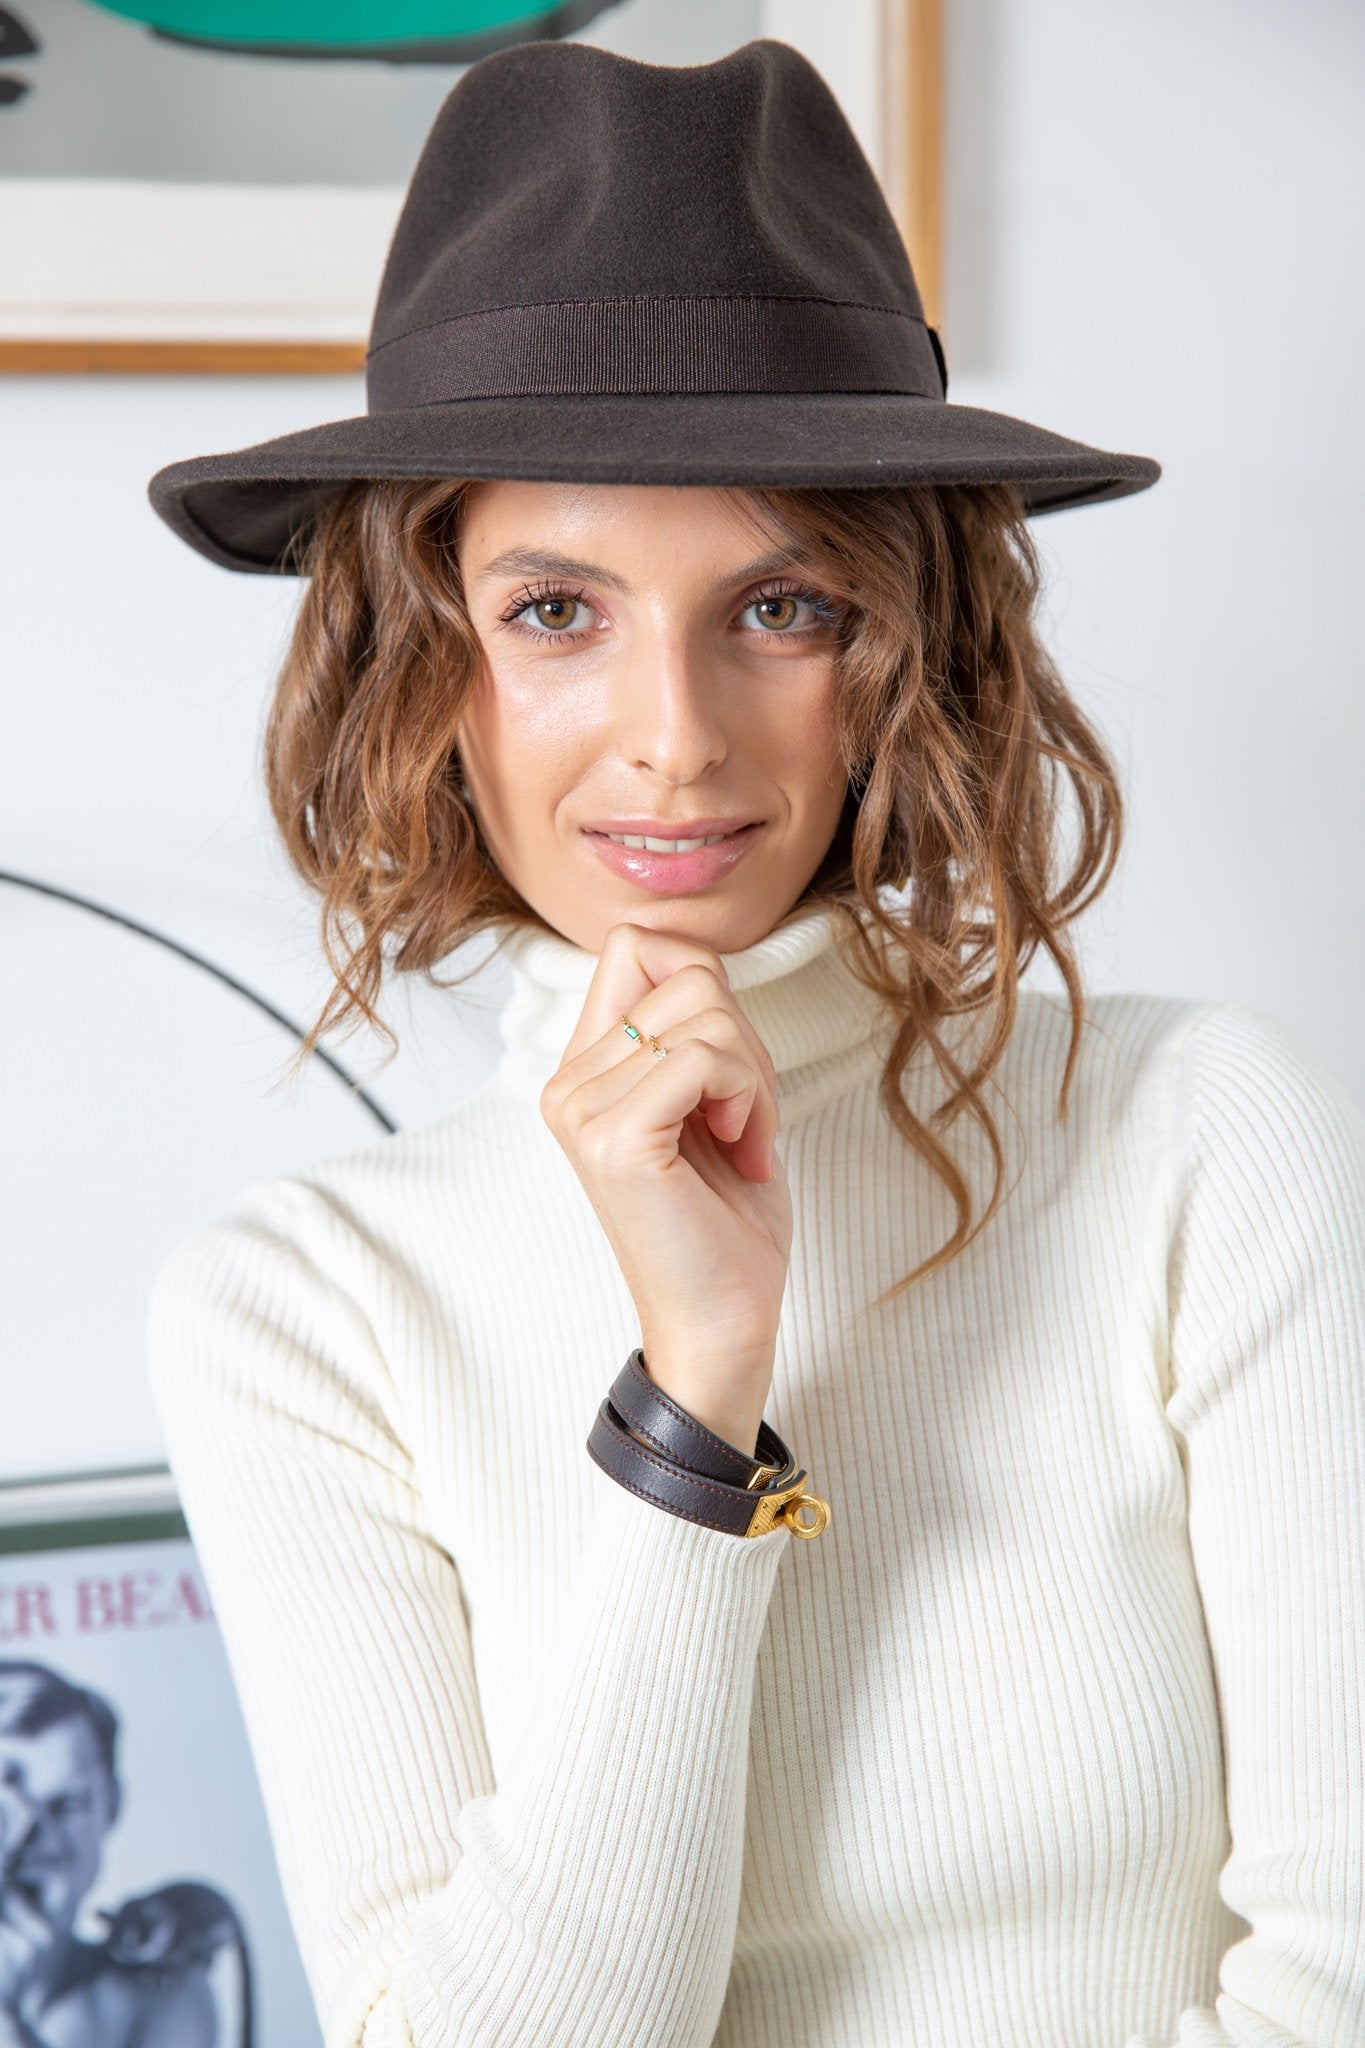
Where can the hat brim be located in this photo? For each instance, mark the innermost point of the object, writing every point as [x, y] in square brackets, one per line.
[252, 508]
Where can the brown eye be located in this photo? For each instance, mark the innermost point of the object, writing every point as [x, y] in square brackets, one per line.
[550, 614]
[789, 614]
[556, 613]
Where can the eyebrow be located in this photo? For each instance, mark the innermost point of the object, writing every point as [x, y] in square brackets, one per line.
[536, 562]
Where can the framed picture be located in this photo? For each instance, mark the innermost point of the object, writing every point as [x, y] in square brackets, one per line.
[132, 1835]
[211, 185]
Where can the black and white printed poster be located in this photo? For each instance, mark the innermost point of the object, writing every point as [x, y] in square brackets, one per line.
[140, 1903]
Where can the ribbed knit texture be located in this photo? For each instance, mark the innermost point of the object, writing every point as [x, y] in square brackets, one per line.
[1052, 1740]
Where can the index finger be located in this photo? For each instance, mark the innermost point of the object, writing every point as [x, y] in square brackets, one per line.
[633, 960]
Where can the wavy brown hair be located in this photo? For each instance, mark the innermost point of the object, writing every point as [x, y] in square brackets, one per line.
[957, 732]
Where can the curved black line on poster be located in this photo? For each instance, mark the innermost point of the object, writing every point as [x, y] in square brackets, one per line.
[147, 931]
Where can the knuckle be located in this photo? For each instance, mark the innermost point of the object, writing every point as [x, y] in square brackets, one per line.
[721, 1023]
[555, 1097]
[694, 1048]
[699, 976]
[562, 1105]
[724, 1024]
[709, 962]
[600, 1145]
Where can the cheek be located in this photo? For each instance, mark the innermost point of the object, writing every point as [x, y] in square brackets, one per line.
[84, 1838]
[522, 732]
[797, 734]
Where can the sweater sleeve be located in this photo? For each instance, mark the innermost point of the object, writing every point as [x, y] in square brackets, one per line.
[1267, 1400]
[592, 1896]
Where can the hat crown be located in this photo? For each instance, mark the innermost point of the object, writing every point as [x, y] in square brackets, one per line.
[615, 272]
[558, 171]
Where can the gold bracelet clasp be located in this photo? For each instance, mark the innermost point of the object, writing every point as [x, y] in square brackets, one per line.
[785, 1504]
[819, 1509]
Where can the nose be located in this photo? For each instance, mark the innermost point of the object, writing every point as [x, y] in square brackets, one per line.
[668, 707]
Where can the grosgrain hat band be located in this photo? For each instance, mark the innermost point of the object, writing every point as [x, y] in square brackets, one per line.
[706, 342]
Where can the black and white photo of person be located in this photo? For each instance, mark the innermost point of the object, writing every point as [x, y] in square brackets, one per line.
[146, 1983]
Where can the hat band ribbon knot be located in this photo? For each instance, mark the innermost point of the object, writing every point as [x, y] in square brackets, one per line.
[643, 344]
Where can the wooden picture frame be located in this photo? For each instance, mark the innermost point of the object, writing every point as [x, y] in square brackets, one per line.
[911, 166]
[154, 277]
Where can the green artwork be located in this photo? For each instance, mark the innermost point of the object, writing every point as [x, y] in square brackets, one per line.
[398, 31]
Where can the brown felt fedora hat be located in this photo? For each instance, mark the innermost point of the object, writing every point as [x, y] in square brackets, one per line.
[606, 271]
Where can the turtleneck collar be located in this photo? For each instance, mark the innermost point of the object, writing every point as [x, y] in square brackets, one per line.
[815, 1017]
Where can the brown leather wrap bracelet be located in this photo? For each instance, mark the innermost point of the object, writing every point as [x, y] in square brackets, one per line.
[651, 1413]
[647, 1443]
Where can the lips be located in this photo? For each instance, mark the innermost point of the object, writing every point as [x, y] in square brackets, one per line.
[674, 874]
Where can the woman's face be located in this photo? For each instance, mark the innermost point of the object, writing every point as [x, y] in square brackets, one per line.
[656, 664]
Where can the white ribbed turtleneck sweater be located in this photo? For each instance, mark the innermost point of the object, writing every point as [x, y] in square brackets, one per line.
[1052, 1740]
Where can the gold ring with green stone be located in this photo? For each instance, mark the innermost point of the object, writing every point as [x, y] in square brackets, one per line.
[660, 1051]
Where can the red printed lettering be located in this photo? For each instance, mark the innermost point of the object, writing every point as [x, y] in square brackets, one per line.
[139, 1600]
[94, 1605]
[25, 1611]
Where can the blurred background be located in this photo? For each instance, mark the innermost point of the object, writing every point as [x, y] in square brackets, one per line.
[1136, 224]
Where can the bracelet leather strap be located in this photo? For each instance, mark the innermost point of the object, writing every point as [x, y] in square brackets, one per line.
[776, 1490]
[644, 1406]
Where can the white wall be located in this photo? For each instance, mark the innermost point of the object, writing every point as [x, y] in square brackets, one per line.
[1149, 246]
[1154, 244]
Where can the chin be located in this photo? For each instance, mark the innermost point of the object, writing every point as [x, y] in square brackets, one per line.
[723, 927]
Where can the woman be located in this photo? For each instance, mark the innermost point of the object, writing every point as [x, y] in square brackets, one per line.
[659, 526]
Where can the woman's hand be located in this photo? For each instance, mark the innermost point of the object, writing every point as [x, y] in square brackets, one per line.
[676, 1157]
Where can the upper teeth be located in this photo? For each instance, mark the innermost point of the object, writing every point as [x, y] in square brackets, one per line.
[666, 845]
